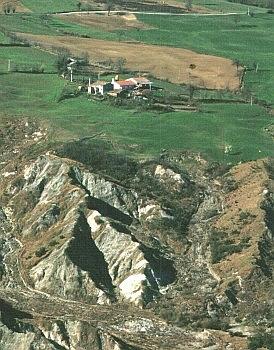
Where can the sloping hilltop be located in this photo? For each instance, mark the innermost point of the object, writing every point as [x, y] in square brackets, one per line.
[101, 252]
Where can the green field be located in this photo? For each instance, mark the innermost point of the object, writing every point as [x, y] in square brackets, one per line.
[241, 126]
[26, 23]
[238, 37]
[71, 5]
[223, 6]
[209, 131]
[26, 56]
[50, 25]
[3, 39]
[50, 6]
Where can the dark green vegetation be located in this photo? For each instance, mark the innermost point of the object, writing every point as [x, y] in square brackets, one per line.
[228, 133]
[262, 340]
[221, 246]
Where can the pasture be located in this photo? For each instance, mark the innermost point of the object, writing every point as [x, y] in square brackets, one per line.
[249, 40]
[238, 127]
[50, 6]
[21, 57]
[216, 126]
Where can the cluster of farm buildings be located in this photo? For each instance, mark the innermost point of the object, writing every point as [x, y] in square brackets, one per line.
[117, 87]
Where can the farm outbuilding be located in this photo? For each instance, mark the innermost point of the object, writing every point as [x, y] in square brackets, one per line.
[141, 82]
[99, 87]
[123, 84]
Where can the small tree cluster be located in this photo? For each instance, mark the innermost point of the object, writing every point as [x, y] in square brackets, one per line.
[261, 340]
[188, 6]
[40, 252]
[119, 64]
[62, 60]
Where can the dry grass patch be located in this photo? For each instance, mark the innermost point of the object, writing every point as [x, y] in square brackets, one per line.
[176, 65]
[141, 5]
[104, 22]
[243, 220]
[16, 4]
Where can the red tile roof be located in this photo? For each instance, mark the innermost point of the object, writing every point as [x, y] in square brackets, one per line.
[125, 83]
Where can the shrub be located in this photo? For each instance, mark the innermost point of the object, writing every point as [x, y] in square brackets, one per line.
[40, 252]
[53, 243]
[214, 324]
[221, 246]
[246, 217]
[261, 340]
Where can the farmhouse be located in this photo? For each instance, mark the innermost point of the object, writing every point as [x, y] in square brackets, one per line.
[99, 87]
[123, 84]
[102, 87]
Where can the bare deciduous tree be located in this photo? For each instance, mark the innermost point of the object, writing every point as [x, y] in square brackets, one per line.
[109, 7]
[188, 5]
[120, 64]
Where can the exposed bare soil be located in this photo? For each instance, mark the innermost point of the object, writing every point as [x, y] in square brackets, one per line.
[243, 219]
[15, 4]
[162, 62]
[104, 22]
[170, 6]
[138, 5]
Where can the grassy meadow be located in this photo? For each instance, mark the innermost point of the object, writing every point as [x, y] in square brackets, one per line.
[26, 56]
[223, 6]
[50, 25]
[49, 6]
[239, 126]
[246, 39]
[238, 37]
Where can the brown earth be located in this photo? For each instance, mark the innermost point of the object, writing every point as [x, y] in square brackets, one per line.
[162, 62]
[172, 6]
[104, 22]
[243, 219]
[16, 4]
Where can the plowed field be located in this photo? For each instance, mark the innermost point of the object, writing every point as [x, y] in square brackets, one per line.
[163, 62]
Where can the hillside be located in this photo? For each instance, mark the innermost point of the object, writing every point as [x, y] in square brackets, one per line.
[137, 239]
[139, 220]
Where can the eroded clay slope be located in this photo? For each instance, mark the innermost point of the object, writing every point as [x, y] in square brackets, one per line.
[89, 255]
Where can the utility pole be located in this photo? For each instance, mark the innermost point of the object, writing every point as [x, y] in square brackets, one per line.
[8, 65]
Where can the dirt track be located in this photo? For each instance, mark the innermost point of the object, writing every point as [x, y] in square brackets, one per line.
[161, 61]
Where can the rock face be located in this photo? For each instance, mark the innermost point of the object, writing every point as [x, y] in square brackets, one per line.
[89, 261]
[83, 228]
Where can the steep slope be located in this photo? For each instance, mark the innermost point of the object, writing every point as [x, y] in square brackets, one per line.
[89, 258]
